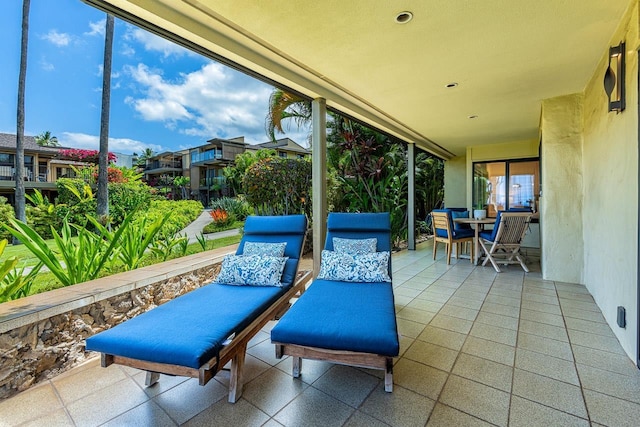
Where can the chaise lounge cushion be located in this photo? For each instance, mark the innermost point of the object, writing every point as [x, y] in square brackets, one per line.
[252, 270]
[333, 315]
[190, 330]
[369, 267]
[355, 246]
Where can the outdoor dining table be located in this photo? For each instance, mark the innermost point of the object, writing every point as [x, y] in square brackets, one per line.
[478, 225]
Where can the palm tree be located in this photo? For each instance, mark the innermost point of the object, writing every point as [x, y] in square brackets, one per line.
[146, 154]
[22, 78]
[45, 139]
[285, 105]
[102, 198]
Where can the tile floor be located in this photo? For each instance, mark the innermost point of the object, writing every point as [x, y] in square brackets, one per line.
[477, 348]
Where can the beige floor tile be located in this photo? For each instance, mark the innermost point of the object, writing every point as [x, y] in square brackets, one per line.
[415, 315]
[57, 418]
[548, 346]
[446, 416]
[311, 369]
[106, 403]
[543, 330]
[458, 311]
[433, 296]
[500, 353]
[143, 415]
[589, 327]
[410, 329]
[598, 342]
[252, 368]
[164, 383]
[433, 355]
[314, 408]
[418, 284]
[575, 296]
[484, 371]
[542, 317]
[525, 413]
[470, 292]
[494, 333]
[607, 410]
[462, 301]
[552, 367]
[621, 386]
[405, 343]
[401, 408]
[452, 323]
[360, 419]
[504, 310]
[484, 402]
[571, 288]
[347, 384]
[264, 351]
[540, 306]
[496, 299]
[578, 313]
[425, 305]
[28, 405]
[443, 337]
[260, 392]
[509, 293]
[529, 289]
[499, 320]
[543, 299]
[74, 387]
[549, 392]
[582, 305]
[406, 292]
[400, 301]
[419, 378]
[619, 363]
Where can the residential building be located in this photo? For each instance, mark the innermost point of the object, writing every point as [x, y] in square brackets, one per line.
[285, 147]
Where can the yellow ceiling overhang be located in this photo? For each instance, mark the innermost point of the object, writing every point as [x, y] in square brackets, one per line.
[506, 56]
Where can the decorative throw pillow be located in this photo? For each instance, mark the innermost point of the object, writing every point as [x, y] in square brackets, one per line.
[355, 246]
[251, 270]
[373, 267]
[264, 249]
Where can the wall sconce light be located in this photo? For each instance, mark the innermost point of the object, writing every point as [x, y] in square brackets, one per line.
[614, 78]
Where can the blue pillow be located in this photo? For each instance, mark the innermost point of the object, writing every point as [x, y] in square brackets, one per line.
[344, 267]
[253, 270]
[460, 214]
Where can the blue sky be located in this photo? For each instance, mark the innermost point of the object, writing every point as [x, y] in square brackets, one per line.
[163, 96]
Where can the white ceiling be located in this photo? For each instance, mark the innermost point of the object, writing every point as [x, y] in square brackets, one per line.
[506, 56]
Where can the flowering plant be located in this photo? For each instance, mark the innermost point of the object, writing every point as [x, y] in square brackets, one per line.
[89, 156]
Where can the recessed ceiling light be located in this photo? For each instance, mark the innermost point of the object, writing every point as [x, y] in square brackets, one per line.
[404, 17]
[473, 117]
[453, 84]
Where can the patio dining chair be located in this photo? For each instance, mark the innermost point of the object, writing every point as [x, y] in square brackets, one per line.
[445, 232]
[502, 244]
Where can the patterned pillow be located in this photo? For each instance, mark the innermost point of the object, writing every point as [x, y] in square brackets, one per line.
[264, 249]
[355, 246]
[251, 270]
[346, 267]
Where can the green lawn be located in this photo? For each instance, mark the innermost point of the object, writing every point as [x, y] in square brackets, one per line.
[25, 257]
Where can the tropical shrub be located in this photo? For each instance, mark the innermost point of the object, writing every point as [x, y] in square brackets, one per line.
[6, 213]
[221, 218]
[236, 206]
[278, 186]
[182, 213]
[14, 283]
[234, 175]
[42, 215]
[127, 197]
[89, 156]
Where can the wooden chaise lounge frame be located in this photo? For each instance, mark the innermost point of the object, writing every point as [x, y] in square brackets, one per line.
[233, 352]
[343, 357]
[234, 348]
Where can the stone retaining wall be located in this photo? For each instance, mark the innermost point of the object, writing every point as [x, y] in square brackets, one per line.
[41, 346]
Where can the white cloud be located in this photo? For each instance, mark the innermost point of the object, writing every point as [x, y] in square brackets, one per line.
[56, 38]
[97, 28]
[213, 101]
[153, 43]
[92, 142]
[46, 65]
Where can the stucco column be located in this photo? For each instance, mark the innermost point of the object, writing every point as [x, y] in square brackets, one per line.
[561, 202]
[411, 197]
[319, 178]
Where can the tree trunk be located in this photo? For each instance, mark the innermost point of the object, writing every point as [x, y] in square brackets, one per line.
[22, 77]
[103, 159]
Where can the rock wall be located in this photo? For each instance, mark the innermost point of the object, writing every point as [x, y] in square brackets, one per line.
[42, 350]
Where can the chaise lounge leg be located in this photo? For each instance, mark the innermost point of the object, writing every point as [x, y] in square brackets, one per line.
[388, 376]
[235, 379]
[297, 366]
[151, 378]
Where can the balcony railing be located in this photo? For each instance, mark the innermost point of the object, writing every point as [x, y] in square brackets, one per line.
[206, 155]
[215, 180]
[8, 173]
[167, 164]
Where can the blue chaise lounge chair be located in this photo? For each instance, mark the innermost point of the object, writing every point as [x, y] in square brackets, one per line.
[198, 333]
[348, 322]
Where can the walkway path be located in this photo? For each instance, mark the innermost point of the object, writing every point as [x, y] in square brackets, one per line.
[194, 229]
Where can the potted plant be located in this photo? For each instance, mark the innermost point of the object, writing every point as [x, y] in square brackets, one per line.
[480, 197]
[479, 212]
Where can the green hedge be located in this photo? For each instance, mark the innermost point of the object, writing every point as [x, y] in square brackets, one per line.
[6, 212]
[183, 212]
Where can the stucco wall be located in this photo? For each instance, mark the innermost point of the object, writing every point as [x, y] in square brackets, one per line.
[610, 211]
[561, 203]
[455, 183]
